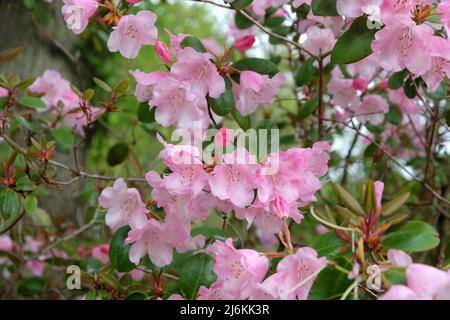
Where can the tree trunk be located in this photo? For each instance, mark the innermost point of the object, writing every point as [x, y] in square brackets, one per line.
[42, 48]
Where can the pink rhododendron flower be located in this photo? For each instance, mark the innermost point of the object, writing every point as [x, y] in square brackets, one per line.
[423, 283]
[223, 137]
[440, 63]
[54, 88]
[360, 84]
[407, 105]
[77, 13]
[176, 40]
[6, 243]
[399, 257]
[239, 270]
[3, 92]
[245, 42]
[134, 1]
[256, 90]
[132, 32]
[101, 252]
[444, 11]
[124, 206]
[298, 3]
[372, 109]
[145, 83]
[379, 188]
[404, 44]
[356, 8]
[259, 7]
[202, 75]
[150, 239]
[163, 52]
[233, 179]
[214, 292]
[295, 275]
[319, 40]
[343, 93]
[78, 119]
[35, 267]
[176, 104]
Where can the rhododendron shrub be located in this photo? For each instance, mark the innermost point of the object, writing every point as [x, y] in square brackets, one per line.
[298, 152]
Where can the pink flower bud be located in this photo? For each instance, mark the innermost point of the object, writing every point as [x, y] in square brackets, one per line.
[163, 52]
[245, 42]
[133, 1]
[223, 137]
[360, 84]
[384, 84]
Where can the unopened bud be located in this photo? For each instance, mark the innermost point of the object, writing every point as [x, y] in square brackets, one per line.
[163, 51]
[245, 42]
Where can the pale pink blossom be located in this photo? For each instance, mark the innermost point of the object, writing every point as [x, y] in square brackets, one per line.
[404, 44]
[295, 275]
[132, 32]
[101, 252]
[124, 205]
[319, 40]
[238, 269]
[145, 83]
[444, 10]
[223, 137]
[54, 88]
[298, 3]
[150, 239]
[399, 257]
[6, 243]
[372, 109]
[202, 75]
[215, 292]
[356, 8]
[3, 92]
[176, 104]
[259, 7]
[406, 105]
[233, 179]
[35, 267]
[422, 283]
[77, 13]
[79, 119]
[256, 90]
[440, 63]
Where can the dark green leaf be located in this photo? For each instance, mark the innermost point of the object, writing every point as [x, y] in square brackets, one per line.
[145, 114]
[194, 43]
[119, 251]
[324, 7]
[396, 80]
[224, 104]
[9, 204]
[306, 72]
[197, 271]
[308, 107]
[242, 22]
[414, 236]
[328, 245]
[394, 115]
[117, 154]
[32, 102]
[410, 89]
[241, 4]
[354, 44]
[330, 283]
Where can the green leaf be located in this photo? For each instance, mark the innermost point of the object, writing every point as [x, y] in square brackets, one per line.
[396, 276]
[224, 104]
[241, 21]
[27, 124]
[396, 80]
[349, 201]
[261, 66]
[410, 89]
[330, 283]
[32, 102]
[394, 115]
[9, 204]
[414, 236]
[328, 245]
[145, 114]
[196, 272]
[306, 72]
[121, 87]
[244, 122]
[241, 4]
[447, 117]
[194, 43]
[37, 215]
[308, 107]
[9, 55]
[32, 286]
[25, 184]
[119, 251]
[354, 44]
[117, 154]
[26, 83]
[324, 7]
[369, 197]
[103, 85]
[395, 204]
[64, 137]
